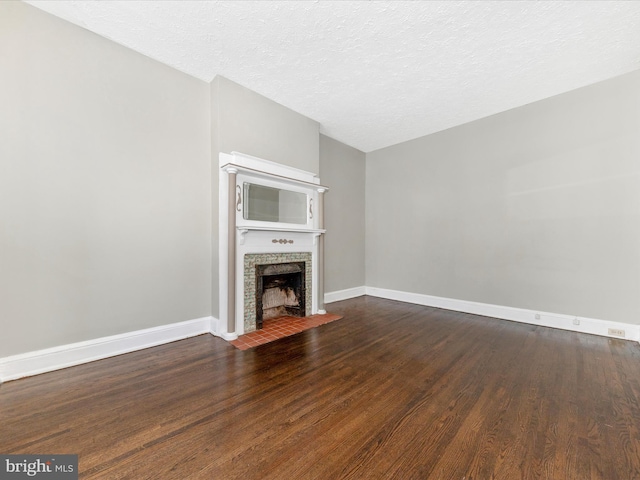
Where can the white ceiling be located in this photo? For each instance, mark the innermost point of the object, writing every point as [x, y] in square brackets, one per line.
[376, 73]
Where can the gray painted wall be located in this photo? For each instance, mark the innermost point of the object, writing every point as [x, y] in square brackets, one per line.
[342, 169]
[104, 192]
[537, 207]
[255, 125]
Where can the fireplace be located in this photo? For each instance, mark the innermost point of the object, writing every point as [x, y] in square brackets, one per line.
[256, 230]
[272, 275]
[280, 291]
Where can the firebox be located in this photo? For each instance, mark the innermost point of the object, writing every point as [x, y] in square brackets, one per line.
[280, 291]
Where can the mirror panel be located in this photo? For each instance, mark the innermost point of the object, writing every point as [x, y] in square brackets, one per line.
[268, 204]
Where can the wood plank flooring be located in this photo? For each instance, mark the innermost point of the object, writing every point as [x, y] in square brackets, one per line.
[391, 391]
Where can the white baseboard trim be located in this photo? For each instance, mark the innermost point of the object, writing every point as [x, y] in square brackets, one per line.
[534, 317]
[214, 326]
[344, 294]
[47, 360]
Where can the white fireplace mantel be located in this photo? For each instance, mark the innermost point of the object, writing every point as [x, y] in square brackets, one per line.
[240, 236]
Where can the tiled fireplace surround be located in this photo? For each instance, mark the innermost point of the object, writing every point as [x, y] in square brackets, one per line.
[251, 260]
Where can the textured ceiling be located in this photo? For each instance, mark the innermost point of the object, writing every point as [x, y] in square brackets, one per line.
[376, 73]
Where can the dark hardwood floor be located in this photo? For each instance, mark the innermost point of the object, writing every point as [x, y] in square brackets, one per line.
[390, 391]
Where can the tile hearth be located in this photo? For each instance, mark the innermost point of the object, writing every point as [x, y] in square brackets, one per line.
[281, 327]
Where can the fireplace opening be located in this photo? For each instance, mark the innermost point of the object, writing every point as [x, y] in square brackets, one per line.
[280, 291]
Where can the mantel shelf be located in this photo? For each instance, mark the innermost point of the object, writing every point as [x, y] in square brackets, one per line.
[288, 180]
[280, 229]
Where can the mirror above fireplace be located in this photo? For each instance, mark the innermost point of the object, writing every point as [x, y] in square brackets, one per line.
[269, 204]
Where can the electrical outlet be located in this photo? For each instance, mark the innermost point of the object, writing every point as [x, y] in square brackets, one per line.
[576, 321]
[617, 332]
[537, 316]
